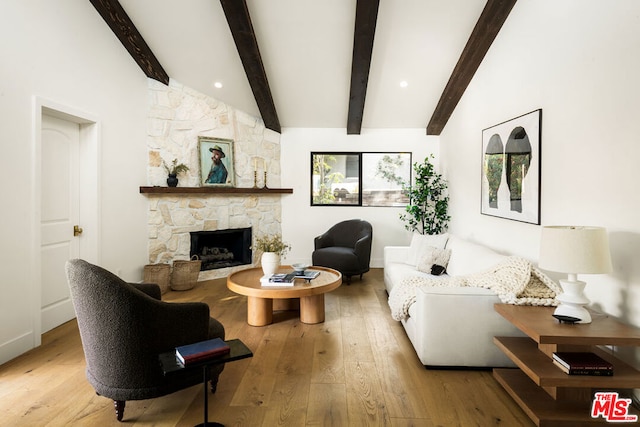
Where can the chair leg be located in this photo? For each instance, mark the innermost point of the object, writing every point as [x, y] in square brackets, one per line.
[348, 280]
[214, 386]
[119, 405]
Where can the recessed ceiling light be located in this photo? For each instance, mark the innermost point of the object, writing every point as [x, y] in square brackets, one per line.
[217, 85]
[404, 83]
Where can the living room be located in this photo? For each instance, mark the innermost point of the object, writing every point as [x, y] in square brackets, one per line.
[576, 60]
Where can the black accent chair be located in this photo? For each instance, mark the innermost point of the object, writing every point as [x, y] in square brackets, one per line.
[345, 247]
[125, 326]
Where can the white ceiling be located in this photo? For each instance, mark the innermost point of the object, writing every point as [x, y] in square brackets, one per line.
[306, 47]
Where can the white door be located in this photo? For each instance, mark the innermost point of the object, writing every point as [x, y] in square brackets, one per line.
[59, 214]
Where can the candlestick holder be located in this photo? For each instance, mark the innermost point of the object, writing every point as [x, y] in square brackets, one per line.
[265, 180]
[255, 179]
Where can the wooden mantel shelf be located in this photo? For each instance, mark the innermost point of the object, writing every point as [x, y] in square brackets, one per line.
[213, 190]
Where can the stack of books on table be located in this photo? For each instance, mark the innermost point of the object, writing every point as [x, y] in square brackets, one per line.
[287, 279]
[307, 275]
[582, 363]
[278, 279]
[201, 351]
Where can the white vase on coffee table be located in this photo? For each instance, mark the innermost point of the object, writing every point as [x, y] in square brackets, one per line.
[270, 262]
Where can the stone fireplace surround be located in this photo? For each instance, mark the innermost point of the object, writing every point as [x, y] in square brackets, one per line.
[177, 116]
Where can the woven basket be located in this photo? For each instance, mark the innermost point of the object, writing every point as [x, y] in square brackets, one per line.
[185, 274]
[158, 274]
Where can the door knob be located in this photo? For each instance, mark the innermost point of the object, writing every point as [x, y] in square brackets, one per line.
[77, 230]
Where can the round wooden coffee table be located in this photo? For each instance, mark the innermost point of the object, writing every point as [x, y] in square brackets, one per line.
[260, 300]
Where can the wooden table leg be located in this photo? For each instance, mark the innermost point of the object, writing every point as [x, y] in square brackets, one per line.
[259, 311]
[312, 309]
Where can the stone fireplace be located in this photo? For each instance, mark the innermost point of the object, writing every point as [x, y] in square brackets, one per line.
[221, 248]
[177, 116]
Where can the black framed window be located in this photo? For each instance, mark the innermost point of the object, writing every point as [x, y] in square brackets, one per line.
[359, 178]
[335, 179]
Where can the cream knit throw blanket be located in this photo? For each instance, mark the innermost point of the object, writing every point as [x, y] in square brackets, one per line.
[515, 281]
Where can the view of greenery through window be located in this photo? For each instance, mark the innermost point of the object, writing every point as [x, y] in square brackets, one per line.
[359, 179]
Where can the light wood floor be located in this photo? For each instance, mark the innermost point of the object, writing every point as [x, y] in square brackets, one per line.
[356, 369]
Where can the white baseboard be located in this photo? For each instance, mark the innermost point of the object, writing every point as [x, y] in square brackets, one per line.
[15, 347]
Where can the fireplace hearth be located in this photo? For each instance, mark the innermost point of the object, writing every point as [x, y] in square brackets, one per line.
[222, 248]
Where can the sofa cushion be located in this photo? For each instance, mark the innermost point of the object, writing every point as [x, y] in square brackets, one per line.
[433, 256]
[468, 257]
[396, 272]
[420, 244]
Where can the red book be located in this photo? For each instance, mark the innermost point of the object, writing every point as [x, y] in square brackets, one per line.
[202, 350]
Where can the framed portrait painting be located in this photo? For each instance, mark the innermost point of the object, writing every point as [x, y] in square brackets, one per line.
[511, 169]
[216, 161]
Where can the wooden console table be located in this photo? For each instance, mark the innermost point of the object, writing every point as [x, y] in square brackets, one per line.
[547, 395]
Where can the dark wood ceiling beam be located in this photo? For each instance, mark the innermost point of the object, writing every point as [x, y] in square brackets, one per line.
[493, 16]
[239, 21]
[365, 29]
[122, 26]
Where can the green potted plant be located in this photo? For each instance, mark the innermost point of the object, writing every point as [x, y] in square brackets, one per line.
[173, 171]
[272, 248]
[427, 211]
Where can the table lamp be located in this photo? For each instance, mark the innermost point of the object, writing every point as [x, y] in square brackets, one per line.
[574, 250]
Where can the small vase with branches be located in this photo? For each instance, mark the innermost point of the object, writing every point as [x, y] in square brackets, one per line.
[272, 248]
[173, 171]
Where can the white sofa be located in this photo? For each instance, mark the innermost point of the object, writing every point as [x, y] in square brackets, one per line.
[451, 326]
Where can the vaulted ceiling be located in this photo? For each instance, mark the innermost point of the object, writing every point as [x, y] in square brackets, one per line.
[315, 63]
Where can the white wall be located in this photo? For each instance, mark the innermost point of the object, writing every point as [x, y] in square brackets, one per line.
[63, 51]
[301, 222]
[579, 61]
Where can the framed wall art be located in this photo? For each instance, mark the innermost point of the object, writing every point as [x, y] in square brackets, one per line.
[511, 168]
[216, 161]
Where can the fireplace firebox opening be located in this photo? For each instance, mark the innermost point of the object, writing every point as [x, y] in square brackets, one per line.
[222, 248]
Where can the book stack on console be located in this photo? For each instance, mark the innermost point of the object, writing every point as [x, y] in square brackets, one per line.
[201, 351]
[582, 363]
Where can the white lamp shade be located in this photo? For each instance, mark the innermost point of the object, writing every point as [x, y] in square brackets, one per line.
[573, 249]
